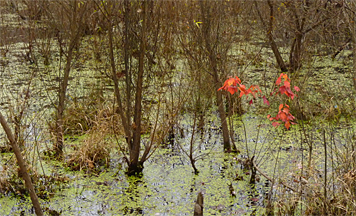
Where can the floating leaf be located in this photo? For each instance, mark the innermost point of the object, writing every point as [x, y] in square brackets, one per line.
[265, 101]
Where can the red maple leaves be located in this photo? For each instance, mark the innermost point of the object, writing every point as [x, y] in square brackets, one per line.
[284, 115]
[234, 85]
[285, 88]
[230, 85]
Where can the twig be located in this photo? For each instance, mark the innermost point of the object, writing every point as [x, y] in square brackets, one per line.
[270, 179]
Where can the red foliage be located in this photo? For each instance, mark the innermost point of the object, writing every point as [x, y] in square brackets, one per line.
[230, 85]
[285, 88]
[284, 115]
[234, 85]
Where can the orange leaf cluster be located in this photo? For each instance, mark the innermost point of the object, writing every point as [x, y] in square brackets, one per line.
[285, 88]
[232, 85]
[283, 115]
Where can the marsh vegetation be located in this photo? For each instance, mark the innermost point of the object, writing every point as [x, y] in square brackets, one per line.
[113, 108]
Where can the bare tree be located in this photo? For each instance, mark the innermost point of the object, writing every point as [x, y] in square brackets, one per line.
[293, 20]
[22, 164]
[211, 37]
[66, 18]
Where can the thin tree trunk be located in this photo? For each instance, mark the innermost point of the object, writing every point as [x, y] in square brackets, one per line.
[127, 45]
[74, 40]
[269, 31]
[192, 161]
[120, 111]
[23, 167]
[225, 129]
[296, 52]
[353, 39]
[213, 64]
[61, 99]
[135, 167]
[273, 44]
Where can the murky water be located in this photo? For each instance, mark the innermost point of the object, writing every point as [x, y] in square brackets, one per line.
[168, 186]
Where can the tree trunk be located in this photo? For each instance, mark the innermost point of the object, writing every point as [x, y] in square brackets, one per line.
[296, 52]
[135, 167]
[213, 65]
[222, 113]
[353, 39]
[273, 44]
[120, 111]
[128, 77]
[22, 164]
[61, 99]
[74, 40]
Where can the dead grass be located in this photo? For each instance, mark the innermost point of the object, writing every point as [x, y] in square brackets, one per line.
[310, 197]
[94, 151]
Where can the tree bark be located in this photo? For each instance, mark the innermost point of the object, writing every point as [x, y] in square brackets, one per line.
[135, 167]
[23, 167]
[120, 111]
[206, 28]
[353, 40]
[127, 45]
[61, 100]
[76, 31]
[273, 44]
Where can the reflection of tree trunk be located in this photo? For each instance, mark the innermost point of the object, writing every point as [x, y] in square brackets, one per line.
[135, 166]
[22, 164]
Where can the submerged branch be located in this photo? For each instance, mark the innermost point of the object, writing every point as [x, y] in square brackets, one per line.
[270, 179]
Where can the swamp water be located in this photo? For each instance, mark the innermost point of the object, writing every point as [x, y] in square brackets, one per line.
[168, 185]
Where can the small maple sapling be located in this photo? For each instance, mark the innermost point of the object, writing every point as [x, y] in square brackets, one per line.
[283, 114]
[234, 85]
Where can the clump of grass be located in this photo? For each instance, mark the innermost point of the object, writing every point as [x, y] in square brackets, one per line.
[319, 190]
[79, 114]
[94, 151]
